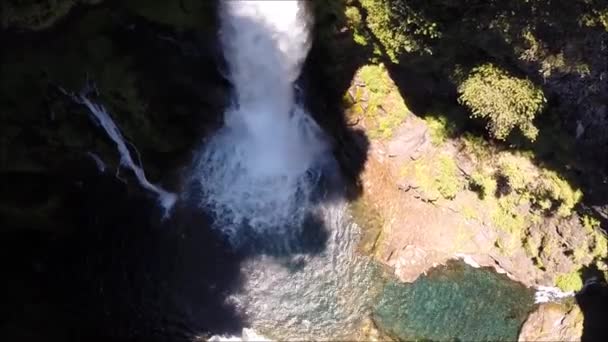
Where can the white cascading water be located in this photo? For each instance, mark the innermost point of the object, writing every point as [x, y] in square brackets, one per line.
[258, 171]
[257, 176]
[165, 198]
[99, 114]
[548, 294]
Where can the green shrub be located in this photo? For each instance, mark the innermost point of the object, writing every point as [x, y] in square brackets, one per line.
[515, 170]
[590, 223]
[553, 191]
[355, 22]
[507, 102]
[439, 127]
[509, 220]
[376, 79]
[447, 180]
[438, 176]
[483, 184]
[596, 18]
[398, 27]
[384, 105]
[569, 282]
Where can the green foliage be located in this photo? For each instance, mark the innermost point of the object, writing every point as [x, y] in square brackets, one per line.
[379, 101]
[438, 176]
[355, 22]
[590, 223]
[596, 18]
[569, 282]
[376, 79]
[440, 128]
[552, 190]
[599, 248]
[515, 170]
[508, 219]
[448, 182]
[543, 188]
[484, 184]
[507, 102]
[398, 27]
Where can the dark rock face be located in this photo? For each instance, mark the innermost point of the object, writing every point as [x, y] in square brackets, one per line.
[88, 255]
[160, 84]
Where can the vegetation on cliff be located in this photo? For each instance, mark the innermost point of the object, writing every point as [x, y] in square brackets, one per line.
[513, 98]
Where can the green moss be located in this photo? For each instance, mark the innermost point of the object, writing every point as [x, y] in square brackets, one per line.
[379, 101]
[438, 176]
[570, 281]
[448, 182]
[509, 221]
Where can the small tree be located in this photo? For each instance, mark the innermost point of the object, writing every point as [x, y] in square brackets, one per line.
[505, 101]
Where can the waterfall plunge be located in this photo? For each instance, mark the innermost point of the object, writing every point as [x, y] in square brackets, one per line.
[258, 170]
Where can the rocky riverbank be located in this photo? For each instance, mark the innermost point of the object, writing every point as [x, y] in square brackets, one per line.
[421, 207]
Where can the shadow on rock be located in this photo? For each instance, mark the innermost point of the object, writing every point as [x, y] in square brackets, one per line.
[593, 301]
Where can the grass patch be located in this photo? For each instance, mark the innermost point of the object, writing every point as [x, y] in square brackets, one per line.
[438, 176]
[509, 221]
[377, 100]
[569, 281]
[469, 212]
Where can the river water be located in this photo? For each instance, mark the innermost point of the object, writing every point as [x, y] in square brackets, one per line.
[261, 238]
[264, 179]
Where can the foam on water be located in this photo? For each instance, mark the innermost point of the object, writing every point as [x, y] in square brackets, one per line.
[259, 170]
[258, 174]
[546, 294]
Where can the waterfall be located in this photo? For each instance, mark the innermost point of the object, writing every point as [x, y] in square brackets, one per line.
[165, 198]
[545, 294]
[259, 177]
[258, 171]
